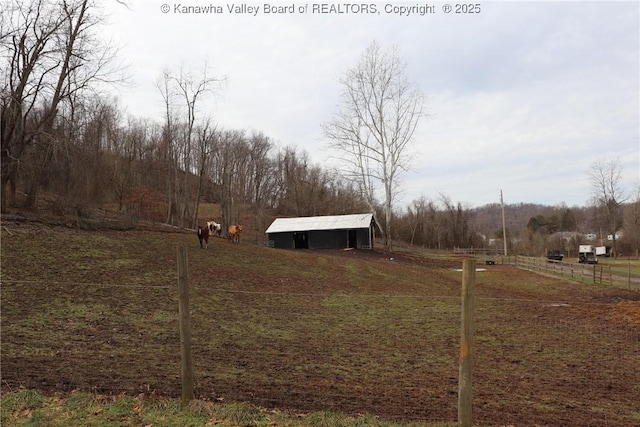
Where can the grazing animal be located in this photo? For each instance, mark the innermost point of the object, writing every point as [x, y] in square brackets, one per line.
[234, 233]
[203, 235]
[214, 228]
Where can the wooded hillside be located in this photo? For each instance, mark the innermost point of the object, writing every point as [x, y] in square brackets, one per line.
[67, 150]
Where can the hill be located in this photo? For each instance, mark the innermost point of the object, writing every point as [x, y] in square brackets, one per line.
[488, 219]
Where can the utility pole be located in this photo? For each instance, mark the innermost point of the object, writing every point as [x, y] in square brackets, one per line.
[504, 227]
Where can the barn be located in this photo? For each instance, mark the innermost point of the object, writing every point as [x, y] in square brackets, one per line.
[323, 232]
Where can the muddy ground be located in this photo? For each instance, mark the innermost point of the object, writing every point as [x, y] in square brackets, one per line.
[350, 331]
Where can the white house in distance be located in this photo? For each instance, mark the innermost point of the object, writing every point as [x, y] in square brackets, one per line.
[323, 232]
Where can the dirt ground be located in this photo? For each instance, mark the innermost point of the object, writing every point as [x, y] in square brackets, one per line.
[565, 356]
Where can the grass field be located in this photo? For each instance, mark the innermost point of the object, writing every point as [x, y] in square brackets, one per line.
[300, 336]
[622, 266]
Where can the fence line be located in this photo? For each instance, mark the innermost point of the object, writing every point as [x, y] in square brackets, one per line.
[587, 273]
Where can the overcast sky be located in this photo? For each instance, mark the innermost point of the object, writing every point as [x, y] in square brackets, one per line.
[521, 97]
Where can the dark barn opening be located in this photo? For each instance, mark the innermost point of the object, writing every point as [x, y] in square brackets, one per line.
[353, 240]
[301, 240]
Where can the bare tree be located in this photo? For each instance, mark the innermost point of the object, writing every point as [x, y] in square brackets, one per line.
[204, 146]
[421, 224]
[607, 194]
[456, 219]
[181, 93]
[167, 151]
[191, 90]
[261, 175]
[293, 169]
[53, 55]
[375, 124]
[229, 160]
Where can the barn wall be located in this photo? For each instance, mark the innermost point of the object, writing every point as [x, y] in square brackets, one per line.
[363, 238]
[328, 239]
[323, 239]
[281, 240]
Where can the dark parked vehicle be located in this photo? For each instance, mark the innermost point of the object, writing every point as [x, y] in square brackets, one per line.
[555, 255]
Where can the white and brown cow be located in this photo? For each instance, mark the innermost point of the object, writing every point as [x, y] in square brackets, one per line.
[214, 228]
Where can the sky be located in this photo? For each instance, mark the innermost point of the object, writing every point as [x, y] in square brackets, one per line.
[521, 97]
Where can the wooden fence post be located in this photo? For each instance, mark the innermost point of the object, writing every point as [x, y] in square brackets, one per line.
[185, 327]
[465, 413]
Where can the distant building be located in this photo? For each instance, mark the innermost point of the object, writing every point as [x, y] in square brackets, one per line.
[495, 242]
[618, 236]
[323, 232]
[567, 236]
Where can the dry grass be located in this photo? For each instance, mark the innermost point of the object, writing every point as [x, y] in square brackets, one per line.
[312, 332]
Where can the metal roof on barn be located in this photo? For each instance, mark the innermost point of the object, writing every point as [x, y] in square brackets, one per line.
[330, 222]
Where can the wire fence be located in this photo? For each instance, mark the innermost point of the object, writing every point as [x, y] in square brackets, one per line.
[621, 276]
[537, 361]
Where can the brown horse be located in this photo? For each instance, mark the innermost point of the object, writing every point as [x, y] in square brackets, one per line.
[234, 233]
[203, 234]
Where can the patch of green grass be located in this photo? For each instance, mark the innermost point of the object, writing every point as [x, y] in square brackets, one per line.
[351, 269]
[81, 401]
[23, 407]
[326, 419]
[239, 413]
[59, 320]
[144, 277]
[31, 408]
[22, 399]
